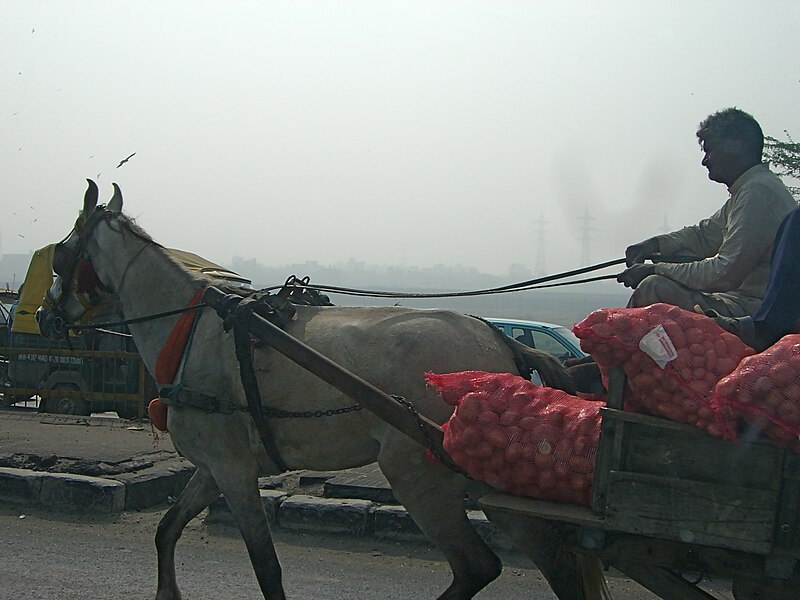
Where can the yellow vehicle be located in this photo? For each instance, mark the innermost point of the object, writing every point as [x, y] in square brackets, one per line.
[91, 372]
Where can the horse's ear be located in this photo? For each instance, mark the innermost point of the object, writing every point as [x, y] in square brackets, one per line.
[90, 198]
[115, 204]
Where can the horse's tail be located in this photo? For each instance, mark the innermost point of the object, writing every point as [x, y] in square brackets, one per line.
[553, 373]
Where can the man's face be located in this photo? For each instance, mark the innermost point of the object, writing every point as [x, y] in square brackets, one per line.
[722, 159]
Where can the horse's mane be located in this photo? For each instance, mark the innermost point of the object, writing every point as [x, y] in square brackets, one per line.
[131, 225]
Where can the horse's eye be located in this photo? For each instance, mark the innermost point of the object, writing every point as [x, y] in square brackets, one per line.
[61, 258]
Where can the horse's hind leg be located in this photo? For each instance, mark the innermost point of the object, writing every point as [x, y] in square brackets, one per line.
[434, 497]
[198, 493]
[544, 543]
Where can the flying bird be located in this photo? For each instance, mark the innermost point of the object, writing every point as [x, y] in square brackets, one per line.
[124, 160]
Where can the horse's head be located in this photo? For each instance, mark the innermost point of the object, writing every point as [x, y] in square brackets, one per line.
[77, 292]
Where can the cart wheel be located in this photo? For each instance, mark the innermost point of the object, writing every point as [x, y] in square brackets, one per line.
[66, 405]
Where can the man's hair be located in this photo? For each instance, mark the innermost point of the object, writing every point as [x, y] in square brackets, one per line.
[735, 125]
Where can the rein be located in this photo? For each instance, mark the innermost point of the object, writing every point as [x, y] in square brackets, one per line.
[130, 263]
[304, 283]
[153, 317]
[530, 284]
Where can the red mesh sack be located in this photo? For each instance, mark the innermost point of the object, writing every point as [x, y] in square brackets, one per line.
[765, 391]
[673, 360]
[516, 436]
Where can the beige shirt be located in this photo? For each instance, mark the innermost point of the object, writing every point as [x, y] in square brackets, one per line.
[734, 244]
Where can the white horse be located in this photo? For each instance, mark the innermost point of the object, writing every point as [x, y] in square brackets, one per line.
[391, 348]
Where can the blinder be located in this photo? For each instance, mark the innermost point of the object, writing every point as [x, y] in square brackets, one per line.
[75, 271]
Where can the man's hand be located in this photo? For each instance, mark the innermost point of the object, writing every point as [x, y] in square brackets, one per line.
[632, 276]
[638, 253]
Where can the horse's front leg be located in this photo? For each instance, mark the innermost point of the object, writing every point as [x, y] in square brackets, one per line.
[198, 494]
[238, 481]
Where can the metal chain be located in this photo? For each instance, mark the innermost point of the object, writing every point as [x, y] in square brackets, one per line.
[431, 447]
[278, 413]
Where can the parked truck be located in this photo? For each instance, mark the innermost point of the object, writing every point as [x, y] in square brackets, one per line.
[96, 371]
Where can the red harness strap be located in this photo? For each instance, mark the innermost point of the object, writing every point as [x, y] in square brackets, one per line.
[171, 354]
[169, 359]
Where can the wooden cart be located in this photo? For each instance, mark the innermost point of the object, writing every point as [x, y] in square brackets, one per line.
[671, 503]
[668, 499]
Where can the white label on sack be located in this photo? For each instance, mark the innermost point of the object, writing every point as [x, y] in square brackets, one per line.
[657, 345]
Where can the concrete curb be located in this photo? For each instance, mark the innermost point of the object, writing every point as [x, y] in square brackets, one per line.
[82, 493]
[61, 491]
[163, 481]
[156, 485]
[363, 518]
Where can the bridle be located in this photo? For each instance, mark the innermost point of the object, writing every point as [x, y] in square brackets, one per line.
[78, 277]
[76, 273]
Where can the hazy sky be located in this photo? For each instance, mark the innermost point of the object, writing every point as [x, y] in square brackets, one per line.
[406, 133]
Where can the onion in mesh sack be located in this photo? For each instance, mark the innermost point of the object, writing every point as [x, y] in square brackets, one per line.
[764, 390]
[673, 360]
[519, 437]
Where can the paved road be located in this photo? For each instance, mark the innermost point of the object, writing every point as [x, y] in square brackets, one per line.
[51, 557]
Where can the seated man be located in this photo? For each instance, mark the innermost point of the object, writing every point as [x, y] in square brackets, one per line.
[778, 314]
[732, 247]
[780, 311]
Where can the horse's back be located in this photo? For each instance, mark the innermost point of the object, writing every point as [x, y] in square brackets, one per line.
[390, 347]
[420, 339]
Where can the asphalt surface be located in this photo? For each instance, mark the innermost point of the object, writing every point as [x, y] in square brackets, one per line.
[78, 468]
[104, 465]
[83, 557]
